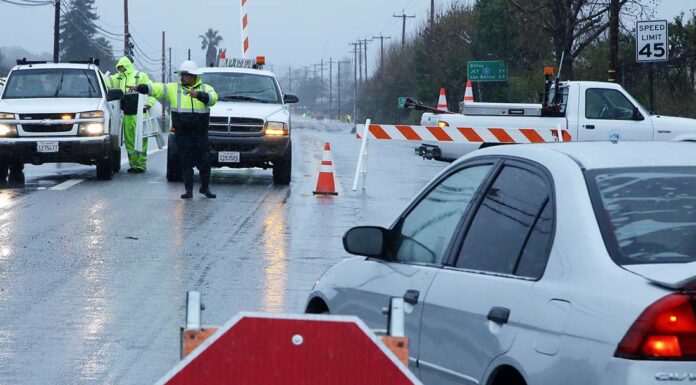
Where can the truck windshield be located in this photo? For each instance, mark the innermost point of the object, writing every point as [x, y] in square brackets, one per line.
[646, 215]
[52, 83]
[244, 87]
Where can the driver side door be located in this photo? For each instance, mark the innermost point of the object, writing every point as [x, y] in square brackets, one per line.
[607, 114]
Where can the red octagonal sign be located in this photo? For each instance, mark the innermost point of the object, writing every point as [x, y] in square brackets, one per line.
[262, 349]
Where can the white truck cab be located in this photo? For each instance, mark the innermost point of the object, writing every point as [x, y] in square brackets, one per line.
[590, 111]
[60, 112]
[251, 125]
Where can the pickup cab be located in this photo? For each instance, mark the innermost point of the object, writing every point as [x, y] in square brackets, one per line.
[590, 111]
[60, 112]
[250, 126]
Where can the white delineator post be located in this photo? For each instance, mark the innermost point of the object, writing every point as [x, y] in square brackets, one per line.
[245, 29]
[361, 170]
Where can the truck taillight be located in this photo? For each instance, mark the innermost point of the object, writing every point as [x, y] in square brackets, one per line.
[665, 331]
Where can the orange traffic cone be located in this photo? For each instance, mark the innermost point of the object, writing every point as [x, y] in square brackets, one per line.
[325, 183]
[442, 102]
[469, 94]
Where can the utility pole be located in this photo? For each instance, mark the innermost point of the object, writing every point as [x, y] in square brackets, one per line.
[614, 15]
[365, 41]
[403, 16]
[355, 82]
[189, 54]
[170, 64]
[290, 79]
[340, 113]
[432, 12]
[321, 82]
[164, 58]
[360, 62]
[381, 47]
[126, 34]
[331, 62]
[56, 31]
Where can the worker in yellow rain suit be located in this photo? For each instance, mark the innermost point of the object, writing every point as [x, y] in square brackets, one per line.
[190, 101]
[126, 78]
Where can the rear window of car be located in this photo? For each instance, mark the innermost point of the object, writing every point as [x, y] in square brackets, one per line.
[646, 215]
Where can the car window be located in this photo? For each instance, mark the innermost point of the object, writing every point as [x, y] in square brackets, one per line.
[607, 104]
[52, 83]
[501, 227]
[424, 234]
[233, 86]
[535, 254]
[647, 215]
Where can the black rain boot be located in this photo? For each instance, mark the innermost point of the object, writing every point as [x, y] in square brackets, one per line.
[188, 183]
[205, 186]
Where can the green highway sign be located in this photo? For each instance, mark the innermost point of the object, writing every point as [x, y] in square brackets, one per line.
[487, 71]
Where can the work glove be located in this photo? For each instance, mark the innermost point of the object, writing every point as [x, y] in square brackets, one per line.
[143, 89]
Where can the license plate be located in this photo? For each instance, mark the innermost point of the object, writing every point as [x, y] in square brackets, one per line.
[47, 147]
[228, 157]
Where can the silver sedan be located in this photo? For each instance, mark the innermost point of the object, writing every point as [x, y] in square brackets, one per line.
[567, 263]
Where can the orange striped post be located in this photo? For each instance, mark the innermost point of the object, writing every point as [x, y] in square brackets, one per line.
[245, 27]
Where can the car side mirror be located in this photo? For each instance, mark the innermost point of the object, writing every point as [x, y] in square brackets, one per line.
[290, 99]
[637, 115]
[368, 241]
[114, 94]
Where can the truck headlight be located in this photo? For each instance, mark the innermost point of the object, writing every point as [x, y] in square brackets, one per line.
[8, 130]
[92, 115]
[7, 116]
[276, 129]
[91, 129]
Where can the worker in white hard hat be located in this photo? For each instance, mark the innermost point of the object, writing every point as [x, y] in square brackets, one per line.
[190, 102]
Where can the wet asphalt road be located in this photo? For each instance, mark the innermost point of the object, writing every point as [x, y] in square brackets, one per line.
[93, 275]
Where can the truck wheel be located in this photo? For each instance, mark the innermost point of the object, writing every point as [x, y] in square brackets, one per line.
[282, 168]
[105, 168]
[173, 167]
[4, 171]
[117, 160]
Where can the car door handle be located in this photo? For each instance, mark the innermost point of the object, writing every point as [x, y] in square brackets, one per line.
[411, 297]
[499, 315]
[589, 126]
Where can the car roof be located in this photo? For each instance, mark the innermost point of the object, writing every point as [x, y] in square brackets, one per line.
[78, 66]
[237, 70]
[600, 155]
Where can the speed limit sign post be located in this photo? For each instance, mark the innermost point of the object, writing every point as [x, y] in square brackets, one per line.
[652, 45]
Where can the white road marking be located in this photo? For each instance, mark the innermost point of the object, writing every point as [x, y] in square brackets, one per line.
[154, 150]
[67, 184]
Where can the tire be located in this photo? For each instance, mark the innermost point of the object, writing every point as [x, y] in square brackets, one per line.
[105, 168]
[116, 156]
[4, 172]
[173, 167]
[282, 169]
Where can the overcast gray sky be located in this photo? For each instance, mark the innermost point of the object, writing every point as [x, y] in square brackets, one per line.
[287, 32]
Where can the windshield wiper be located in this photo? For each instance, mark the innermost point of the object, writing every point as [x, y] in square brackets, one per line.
[91, 86]
[245, 98]
[60, 85]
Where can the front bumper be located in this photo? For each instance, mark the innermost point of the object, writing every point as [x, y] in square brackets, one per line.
[86, 150]
[254, 151]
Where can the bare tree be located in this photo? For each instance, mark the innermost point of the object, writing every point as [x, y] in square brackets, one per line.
[575, 24]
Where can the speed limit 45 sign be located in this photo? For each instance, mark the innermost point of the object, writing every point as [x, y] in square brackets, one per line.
[652, 43]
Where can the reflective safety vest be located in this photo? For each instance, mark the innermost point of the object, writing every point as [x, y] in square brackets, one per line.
[122, 81]
[188, 113]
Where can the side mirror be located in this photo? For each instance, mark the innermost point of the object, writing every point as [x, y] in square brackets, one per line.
[290, 99]
[368, 241]
[114, 94]
[637, 115]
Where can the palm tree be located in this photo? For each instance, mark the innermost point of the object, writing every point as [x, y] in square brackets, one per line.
[210, 42]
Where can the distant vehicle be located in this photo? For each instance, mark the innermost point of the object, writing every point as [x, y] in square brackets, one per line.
[560, 263]
[250, 126]
[60, 112]
[590, 111]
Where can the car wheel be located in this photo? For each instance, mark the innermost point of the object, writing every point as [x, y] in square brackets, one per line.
[105, 168]
[173, 167]
[282, 168]
[117, 160]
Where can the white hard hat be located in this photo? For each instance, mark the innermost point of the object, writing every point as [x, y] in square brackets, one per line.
[188, 67]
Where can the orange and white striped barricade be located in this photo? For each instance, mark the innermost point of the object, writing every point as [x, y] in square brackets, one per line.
[480, 135]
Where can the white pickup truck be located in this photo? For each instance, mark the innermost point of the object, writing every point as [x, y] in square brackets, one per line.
[590, 111]
[60, 112]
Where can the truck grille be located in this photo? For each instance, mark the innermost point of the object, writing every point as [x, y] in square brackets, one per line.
[46, 116]
[47, 127]
[236, 125]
